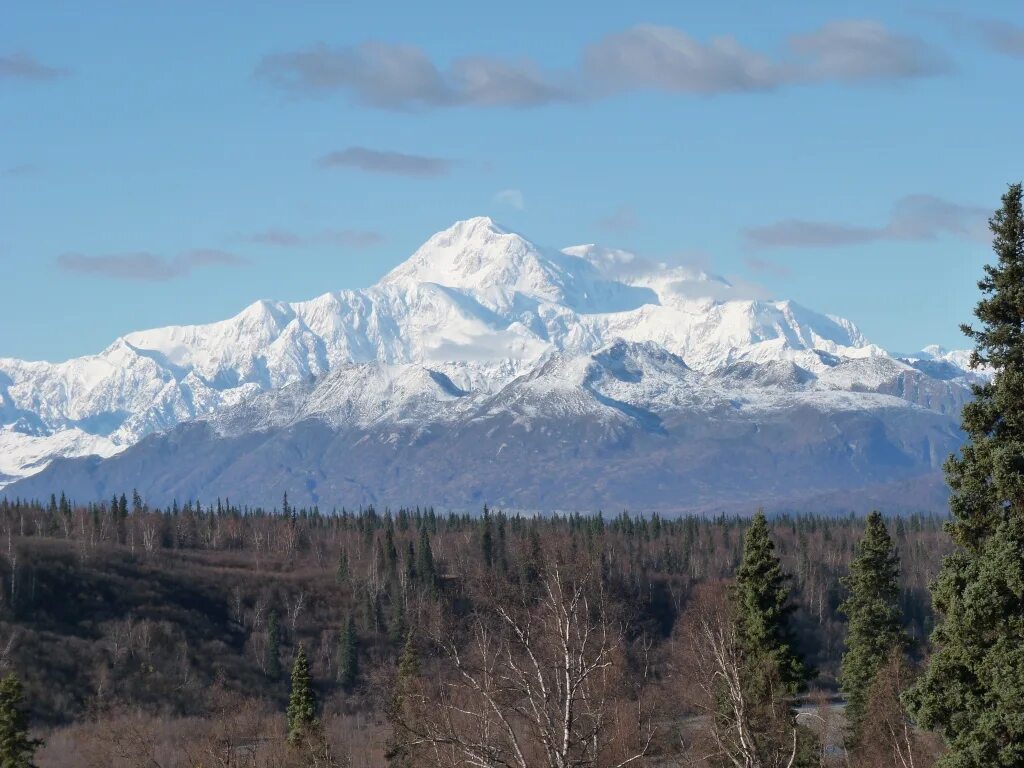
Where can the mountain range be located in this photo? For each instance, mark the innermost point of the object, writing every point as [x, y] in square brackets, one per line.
[488, 369]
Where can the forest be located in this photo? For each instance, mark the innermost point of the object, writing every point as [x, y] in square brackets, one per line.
[167, 637]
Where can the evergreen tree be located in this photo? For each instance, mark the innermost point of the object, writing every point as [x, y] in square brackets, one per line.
[486, 539]
[425, 560]
[396, 622]
[341, 574]
[772, 671]
[390, 551]
[396, 751]
[764, 609]
[973, 689]
[872, 608]
[348, 655]
[274, 670]
[408, 664]
[301, 713]
[16, 748]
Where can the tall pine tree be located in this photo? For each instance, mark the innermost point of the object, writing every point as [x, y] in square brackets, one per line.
[274, 670]
[872, 609]
[302, 721]
[764, 609]
[973, 689]
[16, 748]
[425, 560]
[771, 670]
[348, 655]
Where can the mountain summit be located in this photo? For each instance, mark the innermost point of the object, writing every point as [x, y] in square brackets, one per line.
[477, 312]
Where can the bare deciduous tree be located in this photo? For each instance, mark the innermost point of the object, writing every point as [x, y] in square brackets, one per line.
[887, 738]
[534, 682]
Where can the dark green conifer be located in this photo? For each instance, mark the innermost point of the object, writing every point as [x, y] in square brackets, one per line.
[973, 689]
[390, 552]
[772, 671]
[274, 670]
[16, 747]
[302, 721]
[396, 622]
[408, 663]
[397, 750]
[348, 655]
[341, 574]
[872, 609]
[764, 609]
[486, 539]
[425, 560]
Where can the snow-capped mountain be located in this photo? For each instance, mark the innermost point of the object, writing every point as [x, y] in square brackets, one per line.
[479, 323]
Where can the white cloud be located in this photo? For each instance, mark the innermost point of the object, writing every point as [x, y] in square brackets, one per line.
[513, 198]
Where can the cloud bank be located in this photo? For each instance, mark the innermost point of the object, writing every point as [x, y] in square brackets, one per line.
[145, 266]
[914, 217]
[378, 161]
[1001, 36]
[344, 238]
[24, 66]
[622, 219]
[643, 57]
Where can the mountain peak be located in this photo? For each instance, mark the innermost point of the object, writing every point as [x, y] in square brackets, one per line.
[473, 227]
[477, 255]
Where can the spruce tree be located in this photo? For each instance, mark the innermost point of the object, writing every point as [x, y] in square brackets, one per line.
[425, 560]
[973, 689]
[341, 574]
[771, 671]
[16, 748]
[872, 609]
[486, 539]
[396, 622]
[348, 655]
[764, 608]
[408, 664]
[301, 712]
[274, 670]
[397, 751]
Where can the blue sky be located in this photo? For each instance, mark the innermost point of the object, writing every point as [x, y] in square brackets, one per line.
[173, 163]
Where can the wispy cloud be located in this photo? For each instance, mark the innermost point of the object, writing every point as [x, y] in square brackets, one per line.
[668, 59]
[646, 56]
[513, 198]
[864, 51]
[915, 217]
[402, 77]
[345, 238]
[24, 66]
[1000, 36]
[766, 267]
[378, 161]
[18, 171]
[145, 266]
[622, 219]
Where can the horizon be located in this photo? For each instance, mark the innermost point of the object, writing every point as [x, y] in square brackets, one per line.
[829, 159]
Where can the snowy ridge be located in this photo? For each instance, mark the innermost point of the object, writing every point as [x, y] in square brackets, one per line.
[472, 312]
